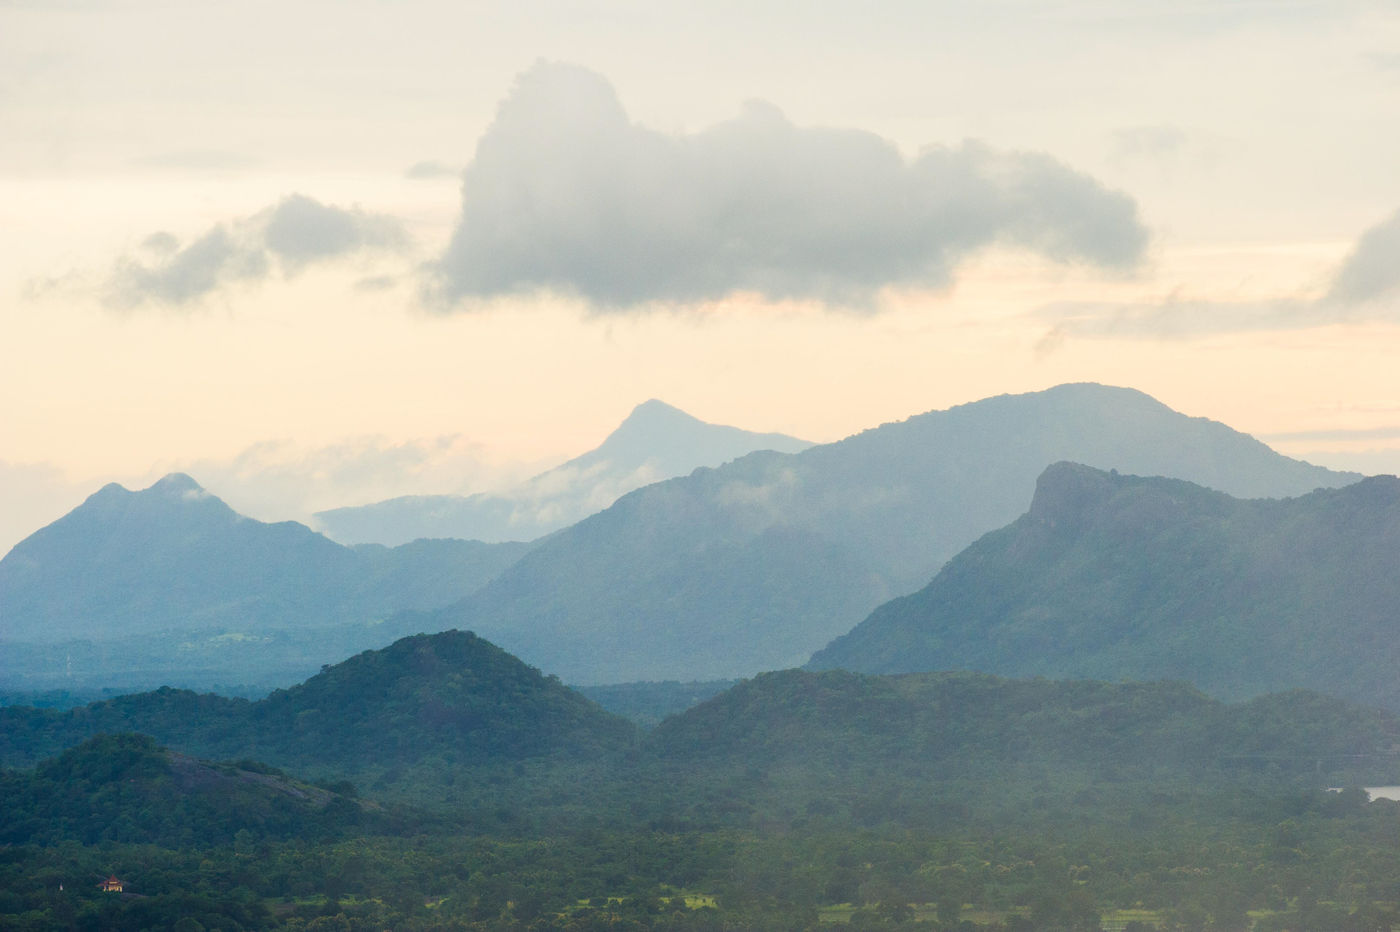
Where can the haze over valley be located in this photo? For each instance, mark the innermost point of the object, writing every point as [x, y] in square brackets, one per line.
[511, 467]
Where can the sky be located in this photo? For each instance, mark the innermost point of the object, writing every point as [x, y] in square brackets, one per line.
[318, 254]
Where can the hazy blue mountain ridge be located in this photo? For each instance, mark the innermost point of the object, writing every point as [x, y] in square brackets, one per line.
[170, 586]
[174, 556]
[655, 442]
[753, 565]
[1124, 577]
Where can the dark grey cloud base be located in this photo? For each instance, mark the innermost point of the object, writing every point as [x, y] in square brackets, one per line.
[297, 232]
[565, 194]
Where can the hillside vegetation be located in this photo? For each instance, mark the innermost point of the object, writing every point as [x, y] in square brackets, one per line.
[937, 802]
[756, 564]
[1122, 577]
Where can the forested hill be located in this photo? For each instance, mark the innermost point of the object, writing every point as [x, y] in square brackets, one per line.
[436, 705]
[1122, 577]
[795, 800]
[126, 788]
[450, 694]
[969, 725]
[429, 693]
[756, 564]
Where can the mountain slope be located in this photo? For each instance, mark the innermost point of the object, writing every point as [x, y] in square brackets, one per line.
[655, 442]
[755, 564]
[126, 788]
[942, 751]
[1117, 576]
[173, 556]
[427, 695]
[970, 725]
[432, 693]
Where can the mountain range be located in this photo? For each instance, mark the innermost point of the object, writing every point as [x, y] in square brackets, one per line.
[725, 572]
[1117, 576]
[171, 581]
[655, 442]
[754, 565]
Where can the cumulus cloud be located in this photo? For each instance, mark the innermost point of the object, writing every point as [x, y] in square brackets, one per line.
[187, 273]
[296, 232]
[1366, 286]
[300, 231]
[566, 194]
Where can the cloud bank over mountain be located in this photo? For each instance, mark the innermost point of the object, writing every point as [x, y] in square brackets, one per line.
[567, 194]
[297, 232]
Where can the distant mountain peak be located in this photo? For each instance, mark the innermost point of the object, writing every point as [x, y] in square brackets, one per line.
[178, 484]
[109, 491]
[655, 441]
[656, 405]
[652, 415]
[176, 556]
[1066, 488]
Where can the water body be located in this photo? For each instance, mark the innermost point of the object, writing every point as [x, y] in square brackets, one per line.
[1375, 792]
[1383, 792]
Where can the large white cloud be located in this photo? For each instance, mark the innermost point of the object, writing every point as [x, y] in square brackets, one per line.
[566, 194]
[296, 232]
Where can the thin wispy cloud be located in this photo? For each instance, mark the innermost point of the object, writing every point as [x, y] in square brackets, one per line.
[429, 171]
[1391, 432]
[1148, 142]
[566, 194]
[1364, 287]
[199, 160]
[297, 232]
[281, 479]
[1386, 61]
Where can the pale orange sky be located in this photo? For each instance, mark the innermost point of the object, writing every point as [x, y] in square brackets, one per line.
[1257, 143]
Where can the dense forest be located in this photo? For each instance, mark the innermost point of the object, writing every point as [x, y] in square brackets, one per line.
[442, 784]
